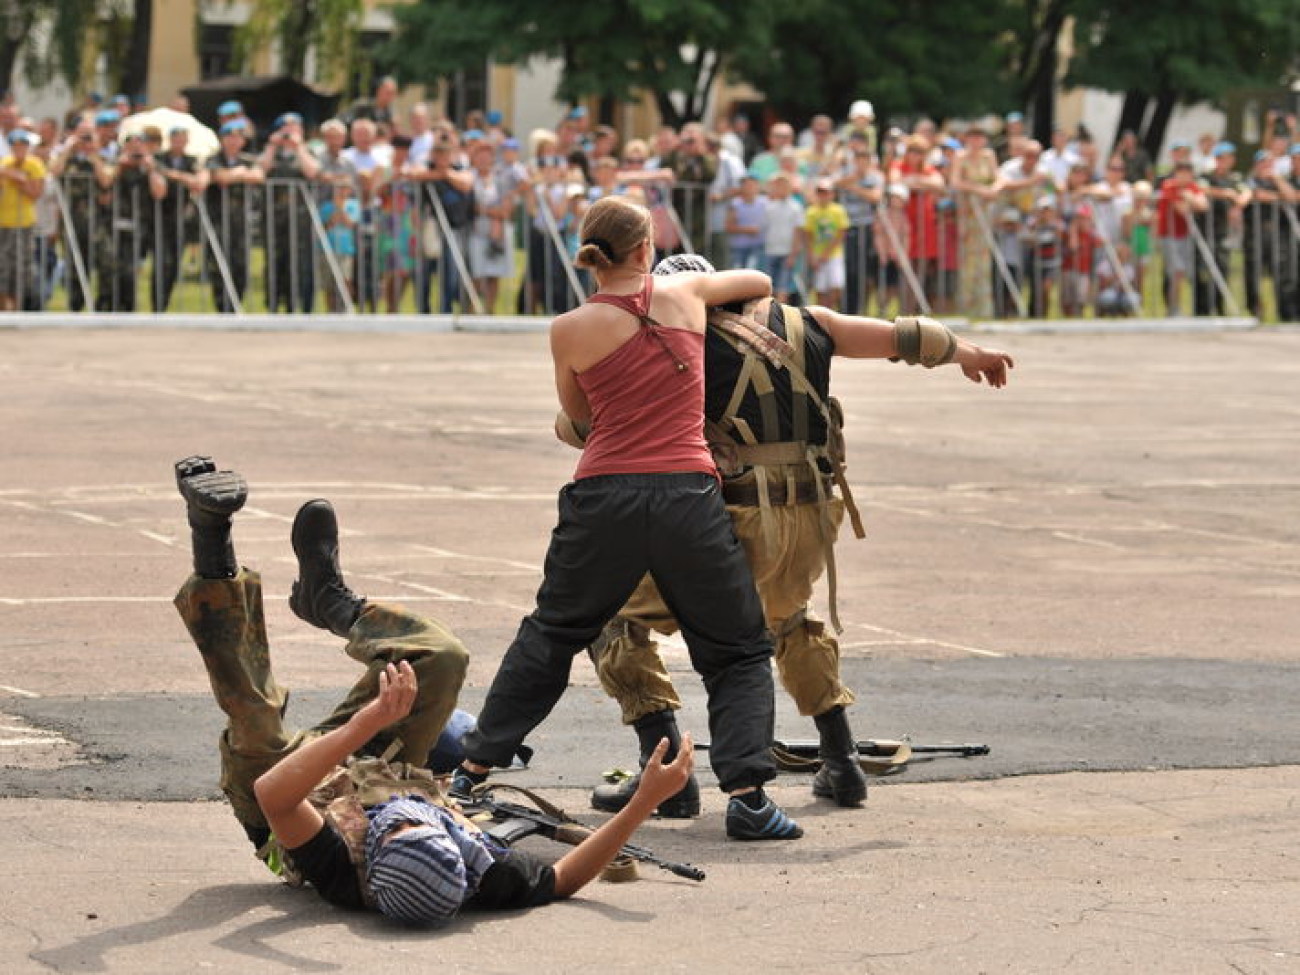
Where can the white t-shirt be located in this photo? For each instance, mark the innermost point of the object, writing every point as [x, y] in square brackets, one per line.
[784, 217]
[380, 156]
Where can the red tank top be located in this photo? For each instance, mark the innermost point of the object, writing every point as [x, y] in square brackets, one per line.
[647, 399]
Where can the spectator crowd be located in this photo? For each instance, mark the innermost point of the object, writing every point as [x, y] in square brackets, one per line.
[381, 210]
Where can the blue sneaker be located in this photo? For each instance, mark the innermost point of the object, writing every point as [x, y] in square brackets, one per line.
[768, 822]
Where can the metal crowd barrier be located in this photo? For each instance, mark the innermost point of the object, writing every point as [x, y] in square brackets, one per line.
[268, 247]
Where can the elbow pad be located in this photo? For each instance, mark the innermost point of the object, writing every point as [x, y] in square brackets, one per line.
[924, 341]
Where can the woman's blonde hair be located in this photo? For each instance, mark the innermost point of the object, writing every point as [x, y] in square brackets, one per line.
[611, 230]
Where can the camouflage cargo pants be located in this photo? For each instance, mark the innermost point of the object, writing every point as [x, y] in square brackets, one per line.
[225, 619]
[785, 569]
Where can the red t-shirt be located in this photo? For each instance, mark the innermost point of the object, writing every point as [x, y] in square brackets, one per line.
[647, 400]
[921, 214]
[1169, 222]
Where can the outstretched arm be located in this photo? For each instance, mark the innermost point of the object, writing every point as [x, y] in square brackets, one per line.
[875, 338]
[583, 863]
[282, 791]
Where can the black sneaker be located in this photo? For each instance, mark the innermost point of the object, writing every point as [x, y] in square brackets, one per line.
[768, 822]
[319, 596]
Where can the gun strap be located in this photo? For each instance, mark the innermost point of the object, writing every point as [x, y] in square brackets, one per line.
[618, 871]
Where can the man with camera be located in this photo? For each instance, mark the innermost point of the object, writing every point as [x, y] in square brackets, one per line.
[453, 183]
[175, 178]
[288, 166]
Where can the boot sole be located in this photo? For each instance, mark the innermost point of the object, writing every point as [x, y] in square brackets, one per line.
[665, 810]
[844, 798]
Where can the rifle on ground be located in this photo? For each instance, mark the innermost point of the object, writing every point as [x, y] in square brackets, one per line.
[877, 757]
[512, 821]
[886, 748]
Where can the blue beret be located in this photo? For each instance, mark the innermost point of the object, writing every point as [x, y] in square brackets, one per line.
[230, 108]
[1224, 148]
[107, 117]
[235, 125]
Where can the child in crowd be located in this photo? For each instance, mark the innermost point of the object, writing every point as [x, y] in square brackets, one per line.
[1137, 230]
[783, 216]
[893, 237]
[746, 223]
[1045, 232]
[825, 224]
[1080, 251]
[340, 214]
[1113, 298]
[1008, 236]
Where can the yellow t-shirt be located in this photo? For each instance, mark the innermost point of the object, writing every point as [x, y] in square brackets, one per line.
[822, 224]
[17, 209]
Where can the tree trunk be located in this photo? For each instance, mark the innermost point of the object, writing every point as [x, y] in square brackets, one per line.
[1040, 91]
[295, 39]
[9, 49]
[668, 114]
[135, 67]
[1153, 138]
[1133, 113]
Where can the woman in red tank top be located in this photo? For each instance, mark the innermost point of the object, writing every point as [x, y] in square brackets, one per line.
[645, 498]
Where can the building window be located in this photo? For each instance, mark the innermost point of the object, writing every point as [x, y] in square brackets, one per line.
[216, 50]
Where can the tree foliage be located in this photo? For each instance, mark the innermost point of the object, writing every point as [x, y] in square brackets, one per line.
[612, 49]
[297, 27]
[936, 59]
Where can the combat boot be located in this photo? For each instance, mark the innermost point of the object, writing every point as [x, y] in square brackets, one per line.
[319, 595]
[211, 498]
[649, 730]
[840, 777]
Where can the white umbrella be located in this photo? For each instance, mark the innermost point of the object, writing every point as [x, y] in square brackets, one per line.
[203, 142]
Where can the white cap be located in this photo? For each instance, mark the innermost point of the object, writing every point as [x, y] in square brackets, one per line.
[862, 107]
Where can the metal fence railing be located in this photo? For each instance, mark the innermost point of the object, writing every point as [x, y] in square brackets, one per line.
[298, 247]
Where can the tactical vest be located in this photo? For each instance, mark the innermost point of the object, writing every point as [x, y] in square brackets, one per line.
[343, 797]
[779, 422]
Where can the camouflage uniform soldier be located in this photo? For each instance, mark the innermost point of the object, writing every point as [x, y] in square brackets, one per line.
[176, 175]
[775, 433]
[289, 166]
[353, 813]
[123, 227]
[82, 174]
[232, 175]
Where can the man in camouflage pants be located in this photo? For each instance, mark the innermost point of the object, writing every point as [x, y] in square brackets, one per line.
[221, 605]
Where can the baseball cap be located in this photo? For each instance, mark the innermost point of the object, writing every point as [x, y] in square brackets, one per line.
[287, 118]
[860, 108]
[511, 143]
[679, 263]
[120, 99]
[1224, 148]
[23, 136]
[950, 143]
[578, 111]
[1015, 116]
[1262, 154]
[230, 108]
[107, 117]
[824, 186]
[473, 135]
[1179, 144]
[234, 125]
